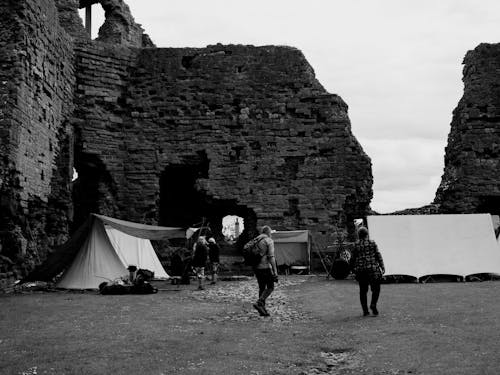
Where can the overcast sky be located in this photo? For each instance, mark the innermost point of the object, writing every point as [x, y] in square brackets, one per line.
[396, 63]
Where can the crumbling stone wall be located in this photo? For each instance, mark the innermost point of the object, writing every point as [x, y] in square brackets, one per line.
[269, 142]
[99, 121]
[36, 88]
[119, 27]
[471, 180]
[69, 19]
[162, 135]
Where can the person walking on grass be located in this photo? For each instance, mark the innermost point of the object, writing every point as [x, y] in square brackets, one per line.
[213, 256]
[368, 267]
[265, 271]
[200, 259]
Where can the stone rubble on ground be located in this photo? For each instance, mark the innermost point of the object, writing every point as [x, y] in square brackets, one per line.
[246, 292]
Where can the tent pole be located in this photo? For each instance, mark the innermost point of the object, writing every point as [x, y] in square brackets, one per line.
[320, 257]
[308, 253]
[202, 226]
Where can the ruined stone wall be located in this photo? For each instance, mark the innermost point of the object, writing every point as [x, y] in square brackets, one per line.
[266, 139]
[99, 120]
[471, 180]
[69, 18]
[36, 67]
[165, 136]
[120, 28]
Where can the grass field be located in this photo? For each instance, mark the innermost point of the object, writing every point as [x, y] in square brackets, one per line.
[316, 328]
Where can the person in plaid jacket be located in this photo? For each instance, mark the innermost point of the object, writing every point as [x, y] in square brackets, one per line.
[368, 266]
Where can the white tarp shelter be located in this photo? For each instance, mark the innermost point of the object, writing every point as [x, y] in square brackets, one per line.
[422, 245]
[101, 250]
[292, 248]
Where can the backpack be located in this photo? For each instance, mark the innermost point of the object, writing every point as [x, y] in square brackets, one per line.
[252, 253]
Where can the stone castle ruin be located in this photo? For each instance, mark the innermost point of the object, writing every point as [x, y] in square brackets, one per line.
[161, 135]
[173, 136]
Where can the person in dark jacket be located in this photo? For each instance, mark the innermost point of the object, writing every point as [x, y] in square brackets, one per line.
[200, 259]
[213, 256]
[266, 270]
[368, 266]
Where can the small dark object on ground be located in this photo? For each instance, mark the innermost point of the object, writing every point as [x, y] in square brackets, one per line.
[142, 288]
[146, 275]
[340, 269]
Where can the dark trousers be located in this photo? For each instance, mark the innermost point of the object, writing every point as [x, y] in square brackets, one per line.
[266, 284]
[366, 281]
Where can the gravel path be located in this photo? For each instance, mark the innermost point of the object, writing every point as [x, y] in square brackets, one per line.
[245, 293]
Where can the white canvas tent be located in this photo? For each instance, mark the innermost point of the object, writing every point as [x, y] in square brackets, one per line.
[101, 250]
[292, 248]
[422, 245]
[136, 251]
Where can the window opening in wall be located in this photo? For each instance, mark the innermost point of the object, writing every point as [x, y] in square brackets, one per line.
[96, 18]
[232, 227]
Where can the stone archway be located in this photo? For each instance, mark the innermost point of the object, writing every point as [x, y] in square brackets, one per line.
[183, 203]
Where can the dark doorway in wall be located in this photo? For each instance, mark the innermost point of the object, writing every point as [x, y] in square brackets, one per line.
[184, 202]
[181, 204]
[93, 191]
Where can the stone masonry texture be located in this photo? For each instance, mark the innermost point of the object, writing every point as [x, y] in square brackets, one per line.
[263, 135]
[169, 136]
[471, 179]
[36, 91]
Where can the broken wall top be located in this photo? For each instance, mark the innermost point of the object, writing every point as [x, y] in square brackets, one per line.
[471, 182]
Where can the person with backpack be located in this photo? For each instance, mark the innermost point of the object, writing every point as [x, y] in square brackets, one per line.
[368, 266]
[265, 269]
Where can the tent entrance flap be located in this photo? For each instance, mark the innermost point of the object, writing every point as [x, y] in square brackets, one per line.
[136, 251]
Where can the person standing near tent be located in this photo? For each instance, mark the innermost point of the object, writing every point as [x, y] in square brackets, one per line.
[200, 259]
[368, 266]
[266, 270]
[213, 256]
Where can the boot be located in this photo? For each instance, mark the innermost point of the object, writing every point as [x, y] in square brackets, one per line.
[261, 308]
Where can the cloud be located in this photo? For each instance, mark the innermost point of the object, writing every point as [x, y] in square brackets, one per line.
[406, 172]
